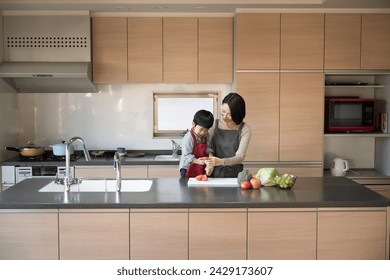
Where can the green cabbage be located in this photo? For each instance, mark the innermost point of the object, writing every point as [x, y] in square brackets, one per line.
[267, 176]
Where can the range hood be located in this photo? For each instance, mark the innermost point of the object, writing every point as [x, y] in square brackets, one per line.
[48, 77]
[47, 54]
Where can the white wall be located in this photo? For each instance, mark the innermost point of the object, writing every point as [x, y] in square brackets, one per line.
[121, 115]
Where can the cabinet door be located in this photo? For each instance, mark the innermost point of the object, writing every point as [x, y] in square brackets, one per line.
[28, 235]
[301, 116]
[351, 234]
[159, 234]
[215, 50]
[342, 41]
[94, 234]
[261, 94]
[286, 234]
[144, 50]
[257, 41]
[302, 41]
[136, 171]
[375, 41]
[217, 234]
[180, 52]
[109, 50]
[163, 171]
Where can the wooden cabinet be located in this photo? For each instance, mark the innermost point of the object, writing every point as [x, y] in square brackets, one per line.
[261, 94]
[159, 234]
[301, 116]
[128, 171]
[342, 41]
[163, 171]
[180, 52]
[29, 234]
[95, 234]
[109, 50]
[215, 50]
[351, 234]
[257, 41]
[283, 234]
[375, 52]
[217, 234]
[144, 50]
[302, 41]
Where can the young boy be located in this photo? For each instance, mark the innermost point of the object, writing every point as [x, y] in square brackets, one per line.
[194, 145]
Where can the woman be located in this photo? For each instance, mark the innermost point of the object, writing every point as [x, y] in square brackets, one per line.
[230, 137]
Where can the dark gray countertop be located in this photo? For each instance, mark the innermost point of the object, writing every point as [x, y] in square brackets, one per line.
[106, 159]
[174, 193]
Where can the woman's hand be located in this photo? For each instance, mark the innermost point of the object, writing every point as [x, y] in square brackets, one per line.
[215, 161]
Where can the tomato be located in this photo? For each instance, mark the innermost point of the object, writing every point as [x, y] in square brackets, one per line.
[204, 177]
[245, 185]
[199, 177]
[256, 184]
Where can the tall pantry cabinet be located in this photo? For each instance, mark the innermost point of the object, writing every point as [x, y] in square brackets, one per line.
[279, 62]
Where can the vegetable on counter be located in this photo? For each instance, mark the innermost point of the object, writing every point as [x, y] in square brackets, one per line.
[267, 176]
[244, 175]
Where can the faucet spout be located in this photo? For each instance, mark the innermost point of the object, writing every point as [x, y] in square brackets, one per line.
[68, 180]
[118, 171]
[175, 149]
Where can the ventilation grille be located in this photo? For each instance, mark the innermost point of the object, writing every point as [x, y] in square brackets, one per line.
[47, 42]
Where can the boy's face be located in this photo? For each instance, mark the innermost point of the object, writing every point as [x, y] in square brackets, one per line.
[200, 131]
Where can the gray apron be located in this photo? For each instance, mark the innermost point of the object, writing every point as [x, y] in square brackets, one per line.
[225, 143]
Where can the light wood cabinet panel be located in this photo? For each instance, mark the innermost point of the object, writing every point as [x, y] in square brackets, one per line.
[282, 235]
[159, 234]
[28, 236]
[342, 41]
[163, 171]
[257, 41]
[109, 50]
[351, 235]
[217, 234]
[215, 50]
[301, 116]
[133, 171]
[180, 52]
[302, 41]
[145, 50]
[375, 41]
[94, 235]
[388, 234]
[261, 94]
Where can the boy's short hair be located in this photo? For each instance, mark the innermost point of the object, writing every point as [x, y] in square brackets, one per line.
[204, 118]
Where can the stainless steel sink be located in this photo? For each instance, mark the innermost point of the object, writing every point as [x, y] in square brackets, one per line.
[166, 158]
[101, 185]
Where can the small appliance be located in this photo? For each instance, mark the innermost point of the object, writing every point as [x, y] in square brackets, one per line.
[349, 114]
[339, 167]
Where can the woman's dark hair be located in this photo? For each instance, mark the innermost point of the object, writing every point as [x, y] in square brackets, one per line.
[204, 118]
[237, 106]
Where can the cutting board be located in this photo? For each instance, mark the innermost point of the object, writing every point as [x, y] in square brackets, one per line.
[213, 182]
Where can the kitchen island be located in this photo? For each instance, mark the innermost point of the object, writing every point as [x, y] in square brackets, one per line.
[319, 218]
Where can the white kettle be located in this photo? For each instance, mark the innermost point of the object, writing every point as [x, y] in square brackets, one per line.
[339, 167]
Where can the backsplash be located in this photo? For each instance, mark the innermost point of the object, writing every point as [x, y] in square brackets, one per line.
[121, 115]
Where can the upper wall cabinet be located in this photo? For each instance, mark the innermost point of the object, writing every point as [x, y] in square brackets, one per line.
[215, 50]
[144, 52]
[375, 41]
[180, 52]
[302, 41]
[109, 50]
[168, 50]
[257, 41]
[342, 41]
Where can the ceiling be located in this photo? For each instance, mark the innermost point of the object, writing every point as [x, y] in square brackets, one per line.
[187, 6]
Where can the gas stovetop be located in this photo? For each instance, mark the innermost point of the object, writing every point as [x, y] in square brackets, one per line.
[48, 156]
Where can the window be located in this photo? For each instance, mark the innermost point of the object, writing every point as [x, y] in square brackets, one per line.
[174, 112]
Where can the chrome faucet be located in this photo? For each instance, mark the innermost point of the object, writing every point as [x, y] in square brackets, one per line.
[175, 149]
[68, 180]
[117, 168]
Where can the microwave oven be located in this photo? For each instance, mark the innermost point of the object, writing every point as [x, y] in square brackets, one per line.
[349, 114]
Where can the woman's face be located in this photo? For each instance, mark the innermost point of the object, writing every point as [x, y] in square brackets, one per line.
[225, 113]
